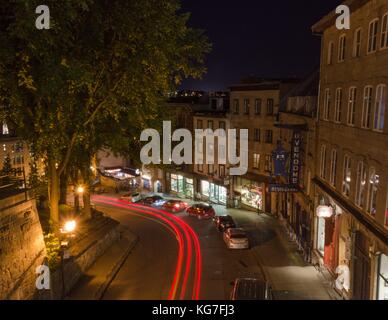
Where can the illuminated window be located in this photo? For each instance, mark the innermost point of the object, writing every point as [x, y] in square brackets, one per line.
[367, 107]
[5, 129]
[372, 35]
[352, 106]
[270, 107]
[268, 163]
[256, 161]
[381, 92]
[374, 181]
[347, 175]
[361, 184]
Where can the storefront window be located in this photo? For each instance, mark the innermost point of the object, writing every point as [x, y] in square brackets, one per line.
[205, 187]
[321, 236]
[382, 289]
[189, 188]
[223, 195]
[252, 196]
[174, 182]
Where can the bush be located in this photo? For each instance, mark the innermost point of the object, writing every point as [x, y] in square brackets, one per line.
[53, 248]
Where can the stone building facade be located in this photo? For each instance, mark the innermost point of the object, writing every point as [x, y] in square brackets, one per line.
[351, 176]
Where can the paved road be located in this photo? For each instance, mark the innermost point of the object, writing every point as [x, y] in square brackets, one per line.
[149, 271]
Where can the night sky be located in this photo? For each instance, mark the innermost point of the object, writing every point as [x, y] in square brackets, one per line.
[257, 37]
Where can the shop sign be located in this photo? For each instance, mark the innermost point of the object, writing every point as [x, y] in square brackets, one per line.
[295, 158]
[324, 212]
[282, 188]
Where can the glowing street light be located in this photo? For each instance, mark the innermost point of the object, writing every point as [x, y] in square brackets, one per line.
[80, 189]
[69, 226]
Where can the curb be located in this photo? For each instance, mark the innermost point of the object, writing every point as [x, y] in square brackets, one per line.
[114, 271]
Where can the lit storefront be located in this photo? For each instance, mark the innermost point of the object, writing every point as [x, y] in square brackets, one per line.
[251, 193]
[382, 280]
[215, 193]
[182, 185]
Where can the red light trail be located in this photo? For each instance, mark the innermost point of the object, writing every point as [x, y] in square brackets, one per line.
[186, 239]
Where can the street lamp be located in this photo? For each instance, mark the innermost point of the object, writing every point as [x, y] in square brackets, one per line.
[80, 189]
[68, 232]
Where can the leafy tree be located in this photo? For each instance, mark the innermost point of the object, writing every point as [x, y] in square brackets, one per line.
[102, 63]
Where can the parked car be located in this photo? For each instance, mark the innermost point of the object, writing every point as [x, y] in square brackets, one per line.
[201, 211]
[131, 197]
[224, 222]
[175, 205]
[236, 238]
[153, 201]
[251, 289]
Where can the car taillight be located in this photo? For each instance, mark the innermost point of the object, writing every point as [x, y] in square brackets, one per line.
[177, 205]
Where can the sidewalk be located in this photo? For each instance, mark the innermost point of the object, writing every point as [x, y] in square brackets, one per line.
[97, 278]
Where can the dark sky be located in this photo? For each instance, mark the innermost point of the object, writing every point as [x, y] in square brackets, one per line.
[259, 37]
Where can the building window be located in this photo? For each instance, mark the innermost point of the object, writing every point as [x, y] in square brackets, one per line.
[381, 98]
[326, 105]
[222, 125]
[372, 192]
[200, 167]
[256, 161]
[246, 106]
[256, 134]
[258, 107]
[367, 107]
[236, 106]
[269, 107]
[333, 167]
[5, 129]
[352, 106]
[199, 124]
[357, 43]
[338, 105]
[342, 48]
[347, 175]
[330, 53]
[268, 136]
[222, 171]
[372, 36]
[210, 169]
[384, 32]
[323, 162]
[210, 124]
[361, 184]
[268, 163]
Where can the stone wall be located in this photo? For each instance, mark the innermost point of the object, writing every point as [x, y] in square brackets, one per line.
[22, 247]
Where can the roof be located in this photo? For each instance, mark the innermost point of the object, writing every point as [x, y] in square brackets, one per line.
[329, 20]
[263, 84]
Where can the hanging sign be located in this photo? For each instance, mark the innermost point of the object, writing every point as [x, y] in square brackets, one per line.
[295, 158]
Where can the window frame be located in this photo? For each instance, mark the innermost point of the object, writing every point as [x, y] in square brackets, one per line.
[384, 33]
[357, 42]
[352, 102]
[367, 114]
[373, 39]
[333, 167]
[380, 108]
[338, 105]
[347, 173]
[342, 48]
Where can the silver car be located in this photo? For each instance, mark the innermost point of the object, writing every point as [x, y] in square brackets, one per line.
[236, 238]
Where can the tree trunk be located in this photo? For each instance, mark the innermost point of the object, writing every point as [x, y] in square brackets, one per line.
[63, 188]
[54, 194]
[87, 207]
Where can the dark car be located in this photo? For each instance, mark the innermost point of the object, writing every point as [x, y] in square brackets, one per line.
[224, 222]
[201, 211]
[152, 201]
[251, 289]
[175, 205]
